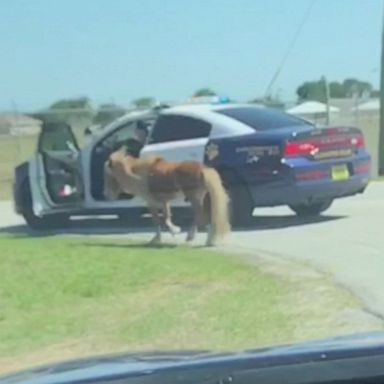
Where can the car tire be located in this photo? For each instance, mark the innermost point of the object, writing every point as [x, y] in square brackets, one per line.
[241, 203]
[312, 209]
[38, 223]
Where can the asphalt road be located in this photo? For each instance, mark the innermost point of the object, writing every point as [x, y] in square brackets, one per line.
[347, 242]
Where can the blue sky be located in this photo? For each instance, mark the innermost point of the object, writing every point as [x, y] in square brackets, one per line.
[122, 49]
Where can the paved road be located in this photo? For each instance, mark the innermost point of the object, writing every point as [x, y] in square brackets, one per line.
[347, 242]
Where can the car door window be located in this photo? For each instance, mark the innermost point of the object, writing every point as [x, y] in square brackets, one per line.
[121, 135]
[125, 133]
[58, 153]
[174, 128]
[57, 137]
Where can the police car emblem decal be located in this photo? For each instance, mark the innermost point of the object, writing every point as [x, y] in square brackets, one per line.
[212, 151]
[259, 151]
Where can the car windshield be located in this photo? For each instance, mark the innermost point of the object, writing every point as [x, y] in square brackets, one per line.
[188, 176]
[262, 119]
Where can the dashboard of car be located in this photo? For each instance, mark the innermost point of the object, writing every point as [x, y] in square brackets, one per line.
[359, 359]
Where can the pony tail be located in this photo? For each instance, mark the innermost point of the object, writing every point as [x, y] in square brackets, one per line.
[219, 205]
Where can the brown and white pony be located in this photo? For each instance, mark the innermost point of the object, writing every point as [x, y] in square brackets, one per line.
[158, 182]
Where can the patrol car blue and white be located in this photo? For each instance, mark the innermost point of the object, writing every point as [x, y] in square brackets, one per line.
[264, 156]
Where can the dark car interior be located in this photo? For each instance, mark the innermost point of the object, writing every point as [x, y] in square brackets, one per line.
[123, 136]
[60, 155]
[325, 366]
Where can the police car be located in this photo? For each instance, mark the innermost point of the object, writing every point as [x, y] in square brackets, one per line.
[264, 156]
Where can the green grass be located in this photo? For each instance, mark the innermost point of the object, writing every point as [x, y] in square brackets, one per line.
[62, 297]
[52, 289]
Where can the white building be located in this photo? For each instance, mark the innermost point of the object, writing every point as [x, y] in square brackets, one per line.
[17, 124]
[313, 111]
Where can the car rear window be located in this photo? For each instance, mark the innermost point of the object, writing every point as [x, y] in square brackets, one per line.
[262, 119]
[174, 128]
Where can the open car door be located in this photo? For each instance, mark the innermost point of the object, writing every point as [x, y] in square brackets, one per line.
[55, 171]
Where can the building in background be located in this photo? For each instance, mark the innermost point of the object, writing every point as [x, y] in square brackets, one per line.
[18, 124]
[371, 106]
[313, 111]
[345, 105]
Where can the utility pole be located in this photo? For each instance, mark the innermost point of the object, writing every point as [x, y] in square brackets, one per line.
[381, 128]
[326, 88]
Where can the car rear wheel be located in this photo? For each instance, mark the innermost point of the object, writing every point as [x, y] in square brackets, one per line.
[241, 203]
[312, 209]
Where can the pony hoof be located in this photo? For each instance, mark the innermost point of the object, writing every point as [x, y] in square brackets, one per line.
[210, 243]
[175, 230]
[155, 241]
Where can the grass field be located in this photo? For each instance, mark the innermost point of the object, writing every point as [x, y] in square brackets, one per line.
[63, 297]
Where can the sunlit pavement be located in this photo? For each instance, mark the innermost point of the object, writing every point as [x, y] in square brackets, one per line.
[347, 242]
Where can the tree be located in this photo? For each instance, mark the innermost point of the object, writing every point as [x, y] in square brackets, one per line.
[204, 92]
[354, 87]
[77, 112]
[107, 113]
[76, 103]
[311, 90]
[375, 93]
[336, 89]
[144, 102]
[315, 90]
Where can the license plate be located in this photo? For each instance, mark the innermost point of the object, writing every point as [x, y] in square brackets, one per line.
[340, 172]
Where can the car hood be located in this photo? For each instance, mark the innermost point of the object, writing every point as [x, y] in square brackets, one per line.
[125, 366]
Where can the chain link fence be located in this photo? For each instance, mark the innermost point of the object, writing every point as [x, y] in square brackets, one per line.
[369, 124]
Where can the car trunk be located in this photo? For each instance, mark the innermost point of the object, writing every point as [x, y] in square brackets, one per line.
[325, 143]
[334, 150]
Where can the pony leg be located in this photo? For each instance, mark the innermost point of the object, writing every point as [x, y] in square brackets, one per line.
[174, 229]
[191, 232]
[198, 217]
[211, 239]
[157, 221]
[211, 235]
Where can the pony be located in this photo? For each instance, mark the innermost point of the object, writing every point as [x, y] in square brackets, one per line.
[159, 182]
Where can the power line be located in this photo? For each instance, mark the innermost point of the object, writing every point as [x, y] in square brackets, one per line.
[290, 47]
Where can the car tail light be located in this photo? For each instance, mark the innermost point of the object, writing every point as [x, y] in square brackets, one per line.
[300, 148]
[358, 141]
[311, 147]
[362, 168]
[312, 175]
